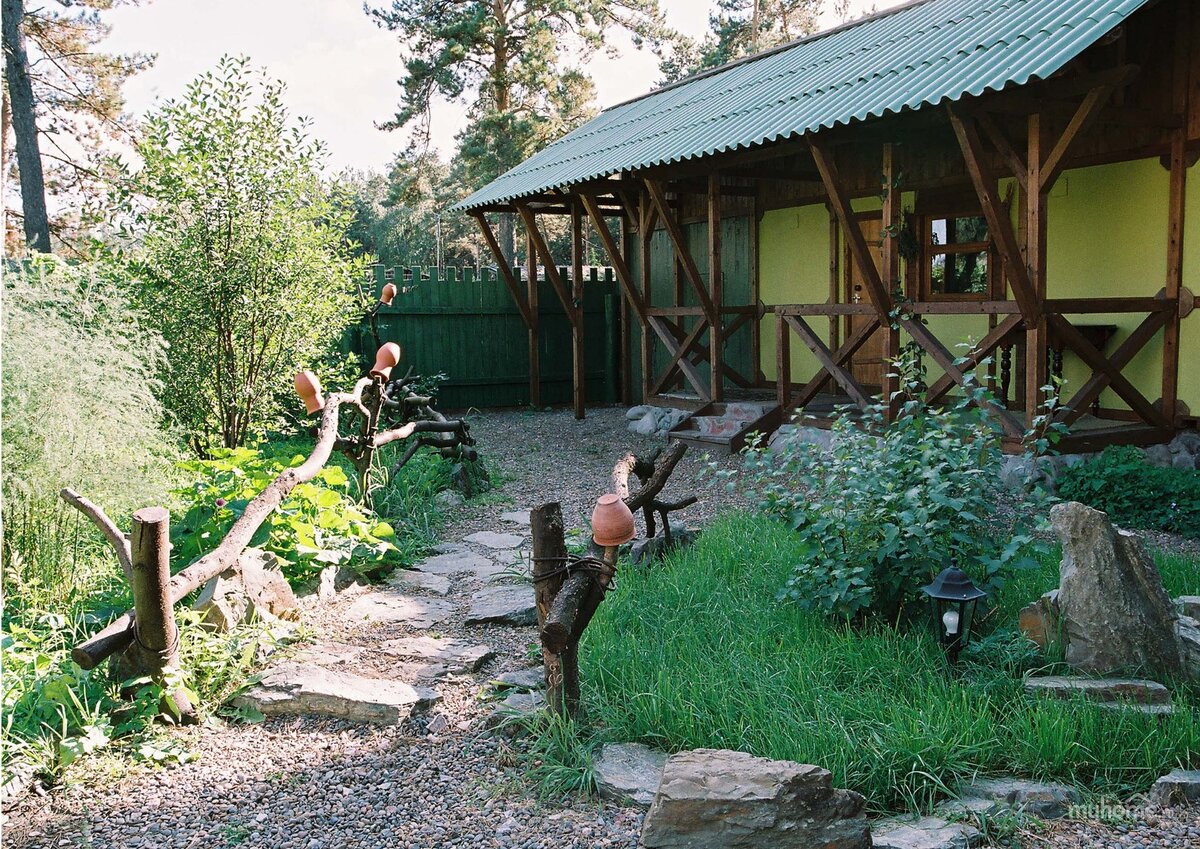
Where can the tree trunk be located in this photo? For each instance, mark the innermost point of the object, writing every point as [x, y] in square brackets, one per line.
[29, 159]
[507, 237]
[549, 558]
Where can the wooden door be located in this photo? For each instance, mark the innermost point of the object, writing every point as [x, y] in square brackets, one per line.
[867, 363]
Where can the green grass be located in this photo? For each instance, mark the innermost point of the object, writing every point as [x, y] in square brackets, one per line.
[698, 653]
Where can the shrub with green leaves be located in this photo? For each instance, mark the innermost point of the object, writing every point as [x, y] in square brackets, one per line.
[317, 525]
[889, 505]
[1135, 494]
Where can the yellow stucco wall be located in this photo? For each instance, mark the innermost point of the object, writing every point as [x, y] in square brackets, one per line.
[1107, 238]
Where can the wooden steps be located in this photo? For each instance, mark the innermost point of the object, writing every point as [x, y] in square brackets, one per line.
[723, 427]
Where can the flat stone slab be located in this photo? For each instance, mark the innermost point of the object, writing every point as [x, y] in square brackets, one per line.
[1178, 787]
[456, 563]
[306, 689]
[411, 579]
[328, 654]
[923, 833]
[454, 655]
[1132, 691]
[517, 517]
[629, 772]
[503, 604]
[1188, 605]
[491, 539]
[523, 703]
[393, 607]
[521, 679]
[1047, 800]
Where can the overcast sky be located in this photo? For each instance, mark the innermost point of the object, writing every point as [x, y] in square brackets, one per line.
[340, 69]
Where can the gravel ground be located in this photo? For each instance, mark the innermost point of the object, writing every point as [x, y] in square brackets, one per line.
[312, 783]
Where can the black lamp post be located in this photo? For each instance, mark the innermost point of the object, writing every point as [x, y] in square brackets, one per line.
[952, 599]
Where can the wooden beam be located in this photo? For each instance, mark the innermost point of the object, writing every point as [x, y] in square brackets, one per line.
[535, 362]
[855, 341]
[685, 349]
[977, 354]
[861, 254]
[578, 371]
[1176, 205]
[1014, 160]
[615, 259]
[675, 234]
[783, 365]
[1097, 362]
[646, 235]
[999, 224]
[716, 336]
[693, 375]
[573, 311]
[506, 272]
[1082, 400]
[825, 357]
[1037, 338]
[1083, 118]
[892, 223]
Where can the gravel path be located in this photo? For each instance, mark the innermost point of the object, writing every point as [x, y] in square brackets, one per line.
[308, 783]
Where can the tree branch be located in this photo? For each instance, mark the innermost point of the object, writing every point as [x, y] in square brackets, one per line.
[106, 525]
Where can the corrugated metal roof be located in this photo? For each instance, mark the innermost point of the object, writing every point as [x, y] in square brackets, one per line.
[918, 55]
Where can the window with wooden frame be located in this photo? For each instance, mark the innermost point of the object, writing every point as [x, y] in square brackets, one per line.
[957, 261]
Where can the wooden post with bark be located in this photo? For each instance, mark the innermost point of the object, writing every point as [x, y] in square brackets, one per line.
[568, 592]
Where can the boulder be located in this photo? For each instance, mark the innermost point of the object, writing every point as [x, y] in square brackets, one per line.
[1039, 621]
[629, 772]
[1178, 787]
[1158, 455]
[923, 833]
[647, 425]
[633, 414]
[1185, 462]
[643, 551]
[711, 798]
[503, 605]
[1113, 609]
[257, 588]
[1046, 800]
[1188, 630]
[1186, 442]
[1188, 605]
[449, 499]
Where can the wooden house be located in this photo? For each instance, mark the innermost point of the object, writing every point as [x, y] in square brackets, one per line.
[988, 181]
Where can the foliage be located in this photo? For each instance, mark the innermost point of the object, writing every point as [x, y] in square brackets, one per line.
[239, 248]
[890, 505]
[739, 28]
[317, 525]
[698, 653]
[1135, 494]
[558, 753]
[79, 106]
[79, 410]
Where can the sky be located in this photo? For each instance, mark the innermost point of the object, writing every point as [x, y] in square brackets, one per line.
[340, 68]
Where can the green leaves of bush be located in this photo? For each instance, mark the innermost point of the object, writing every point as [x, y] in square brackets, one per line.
[1135, 494]
[889, 506]
[316, 526]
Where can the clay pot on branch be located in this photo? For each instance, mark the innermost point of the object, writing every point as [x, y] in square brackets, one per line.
[308, 387]
[388, 295]
[386, 359]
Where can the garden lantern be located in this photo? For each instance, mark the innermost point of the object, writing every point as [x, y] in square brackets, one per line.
[308, 387]
[385, 360]
[388, 295]
[952, 600]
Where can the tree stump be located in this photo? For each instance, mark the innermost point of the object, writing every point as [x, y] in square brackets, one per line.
[549, 559]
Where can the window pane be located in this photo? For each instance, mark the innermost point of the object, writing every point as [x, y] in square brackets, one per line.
[959, 274]
[955, 231]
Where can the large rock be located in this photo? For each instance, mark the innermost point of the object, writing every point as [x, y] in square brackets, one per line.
[304, 689]
[710, 798]
[1188, 631]
[1039, 621]
[629, 772]
[503, 605]
[256, 588]
[923, 833]
[1178, 787]
[1114, 611]
[1047, 800]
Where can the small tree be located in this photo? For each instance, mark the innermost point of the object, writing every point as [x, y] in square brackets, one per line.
[239, 249]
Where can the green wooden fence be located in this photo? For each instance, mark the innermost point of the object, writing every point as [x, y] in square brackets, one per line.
[465, 325]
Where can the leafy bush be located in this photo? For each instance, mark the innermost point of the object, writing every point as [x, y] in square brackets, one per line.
[889, 506]
[239, 246]
[1135, 494]
[317, 525]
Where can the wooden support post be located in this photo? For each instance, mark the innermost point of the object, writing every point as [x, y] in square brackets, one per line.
[716, 339]
[1036, 334]
[577, 350]
[647, 352]
[549, 559]
[155, 648]
[1175, 215]
[890, 250]
[535, 361]
[783, 364]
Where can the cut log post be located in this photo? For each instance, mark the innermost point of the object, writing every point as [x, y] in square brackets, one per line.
[549, 562]
[155, 648]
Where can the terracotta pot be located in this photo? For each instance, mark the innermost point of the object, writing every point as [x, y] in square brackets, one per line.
[385, 360]
[612, 522]
[308, 387]
[388, 295]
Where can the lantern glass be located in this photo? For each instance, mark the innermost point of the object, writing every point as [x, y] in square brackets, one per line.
[952, 601]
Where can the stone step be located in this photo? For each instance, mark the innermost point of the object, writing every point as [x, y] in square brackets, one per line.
[454, 656]
[1113, 693]
[412, 580]
[491, 539]
[459, 562]
[385, 606]
[310, 689]
[503, 604]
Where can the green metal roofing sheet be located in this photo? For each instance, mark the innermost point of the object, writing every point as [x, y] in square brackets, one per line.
[917, 55]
